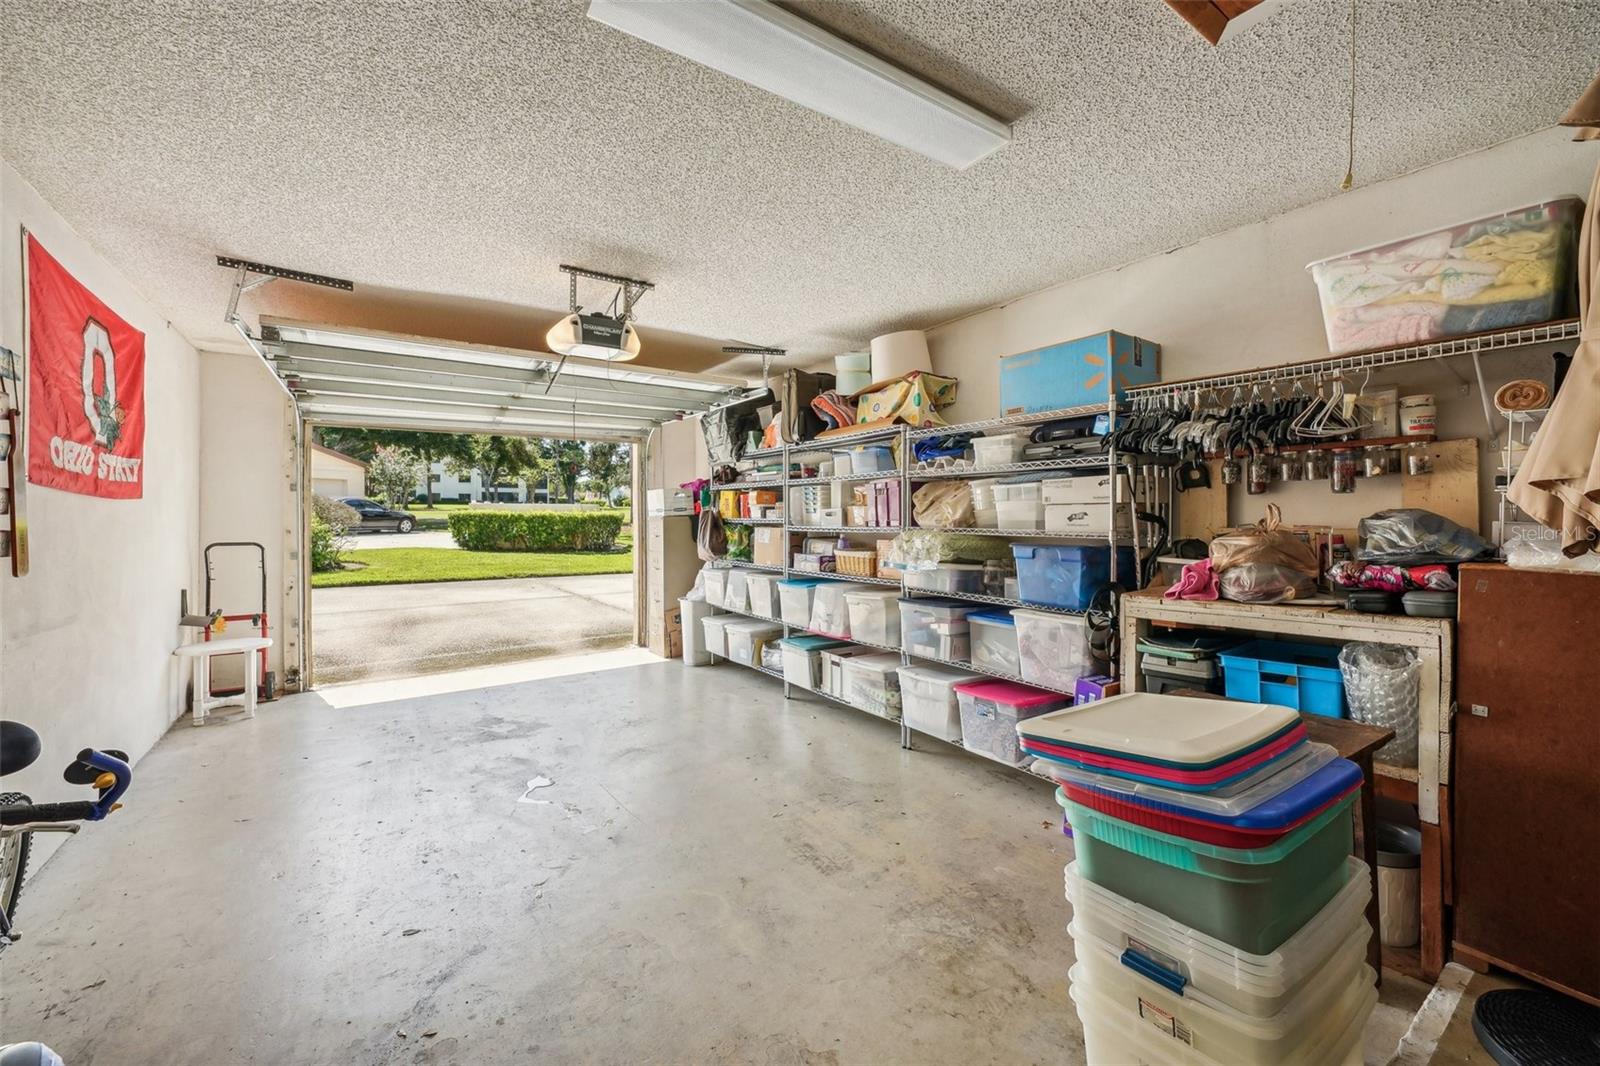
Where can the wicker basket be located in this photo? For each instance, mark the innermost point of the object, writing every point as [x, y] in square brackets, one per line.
[859, 563]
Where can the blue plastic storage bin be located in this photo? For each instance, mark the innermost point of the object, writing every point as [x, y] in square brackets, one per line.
[1063, 575]
[1303, 676]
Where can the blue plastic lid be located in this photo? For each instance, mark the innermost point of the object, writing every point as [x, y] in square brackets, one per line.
[801, 582]
[1332, 780]
[1000, 618]
[812, 643]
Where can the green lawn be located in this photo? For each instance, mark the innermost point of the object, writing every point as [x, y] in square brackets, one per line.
[393, 566]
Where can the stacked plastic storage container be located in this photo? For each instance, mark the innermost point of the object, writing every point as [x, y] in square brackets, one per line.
[1218, 916]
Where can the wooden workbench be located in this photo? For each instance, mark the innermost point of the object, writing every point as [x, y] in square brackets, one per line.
[1427, 786]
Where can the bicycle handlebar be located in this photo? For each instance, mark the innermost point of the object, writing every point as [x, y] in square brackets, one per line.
[27, 813]
[112, 765]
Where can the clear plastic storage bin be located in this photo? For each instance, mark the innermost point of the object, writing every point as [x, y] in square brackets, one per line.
[1256, 985]
[872, 683]
[865, 459]
[990, 711]
[716, 582]
[998, 451]
[874, 615]
[763, 592]
[936, 628]
[1018, 505]
[795, 596]
[735, 594]
[1052, 649]
[745, 637]
[947, 577]
[716, 635]
[994, 641]
[829, 615]
[802, 659]
[1504, 270]
[929, 701]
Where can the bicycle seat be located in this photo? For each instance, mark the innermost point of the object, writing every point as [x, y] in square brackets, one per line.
[19, 747]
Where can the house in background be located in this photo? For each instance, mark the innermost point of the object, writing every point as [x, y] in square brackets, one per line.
[450, 488]
[335, 474]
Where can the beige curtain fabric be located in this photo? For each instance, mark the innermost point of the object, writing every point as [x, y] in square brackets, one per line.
[1559, 480]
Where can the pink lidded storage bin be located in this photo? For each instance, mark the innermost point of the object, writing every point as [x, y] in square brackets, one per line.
[990, 711]
[1510, 269]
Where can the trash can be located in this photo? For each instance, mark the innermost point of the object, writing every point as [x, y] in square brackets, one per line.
[1399, 884]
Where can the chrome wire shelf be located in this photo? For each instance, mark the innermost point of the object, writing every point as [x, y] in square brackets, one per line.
[1521, 337]
[1097, 460]
[880, 475]
[1036, 534]
[998, 601]
[753, 521]
[844, 529]
[1007, 421]
[859, 579]
[1000, 675]
[744, 564]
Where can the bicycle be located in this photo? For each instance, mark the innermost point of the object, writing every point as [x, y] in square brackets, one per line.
[20, 817]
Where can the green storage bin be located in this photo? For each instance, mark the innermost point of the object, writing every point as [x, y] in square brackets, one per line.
[1253, 899]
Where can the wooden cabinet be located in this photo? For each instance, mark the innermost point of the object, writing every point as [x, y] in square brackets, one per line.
[1527, 777]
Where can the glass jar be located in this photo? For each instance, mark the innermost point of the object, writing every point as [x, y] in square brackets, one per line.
[1290, 468]
[1374, 461]
[1419, 459]
[1342, 470]
[1316, 463]
[1258, 475]
[1230, 471]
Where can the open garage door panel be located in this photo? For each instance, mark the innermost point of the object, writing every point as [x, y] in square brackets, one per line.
[351, 377]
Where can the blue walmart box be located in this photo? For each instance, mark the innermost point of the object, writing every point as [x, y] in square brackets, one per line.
[1076, 372]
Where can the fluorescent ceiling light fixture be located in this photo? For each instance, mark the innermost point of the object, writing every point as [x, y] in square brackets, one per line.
[762, 44]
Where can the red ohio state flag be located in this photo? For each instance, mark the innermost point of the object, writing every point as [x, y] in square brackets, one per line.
[85, 388]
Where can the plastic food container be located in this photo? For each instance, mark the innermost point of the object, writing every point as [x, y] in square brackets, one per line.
[929, 702]
[994, 641]
[947, 577]
[1115, 1036]
[872, 683]
[715, 633]
[990, 711]
[794, 598]
[829, 614]
[864, 459]
[1304, 677]
[1052, 649]
[802, 659]
[735, 593]
[745, 637]
[1255, 985]
[1252, 899]
[1504, 270]
[763, 592]
[1066, 575]
[716, 583]
[937, 628]
[874, 615]
[997, 451]
[1018, 514]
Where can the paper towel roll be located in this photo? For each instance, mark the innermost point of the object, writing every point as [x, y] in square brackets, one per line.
[850, 382]
[895, 355]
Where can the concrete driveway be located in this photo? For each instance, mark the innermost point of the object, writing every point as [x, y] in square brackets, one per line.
[418, 538]
[379, 631]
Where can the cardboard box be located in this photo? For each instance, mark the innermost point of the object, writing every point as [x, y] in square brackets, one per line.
[769, 546]
[1087, 488]
[1075, 373]
[1085, 519]
[666, 633]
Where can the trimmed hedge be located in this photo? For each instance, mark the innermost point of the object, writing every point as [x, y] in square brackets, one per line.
[533, 531]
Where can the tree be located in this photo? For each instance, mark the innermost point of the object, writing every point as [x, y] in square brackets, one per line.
[568, 459]
[608, 466]
[498, 459]
[393, 473]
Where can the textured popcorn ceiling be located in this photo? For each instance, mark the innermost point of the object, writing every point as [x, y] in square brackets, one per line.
[462, 149]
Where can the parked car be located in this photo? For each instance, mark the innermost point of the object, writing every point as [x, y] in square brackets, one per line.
[377, 516]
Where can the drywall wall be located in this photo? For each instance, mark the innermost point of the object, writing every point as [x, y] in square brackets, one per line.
[86, 637]
[245, 469]
[1243, 299]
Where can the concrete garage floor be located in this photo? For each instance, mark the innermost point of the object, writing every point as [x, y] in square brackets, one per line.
[710, 875]
[378, 631]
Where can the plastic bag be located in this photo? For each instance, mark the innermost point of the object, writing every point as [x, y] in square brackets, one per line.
[1410, 536]
[924, 549]
[1264, 583]
[1382, 683]
[1264, 543]
[1528, 553]
[943, 505]
[711, 537]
